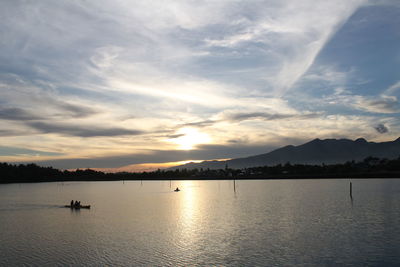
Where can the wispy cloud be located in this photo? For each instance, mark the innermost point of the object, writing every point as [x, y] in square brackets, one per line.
[292, 34]
[36, 100]
[81, 131]
[75, 111]
[17, 151]
[6, 133]
[203, 123]
[381, 104]
[17, 114]
[392, 89]
[268, 116]
[328, 74]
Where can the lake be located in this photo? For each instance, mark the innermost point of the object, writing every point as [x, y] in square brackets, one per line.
[263, 223]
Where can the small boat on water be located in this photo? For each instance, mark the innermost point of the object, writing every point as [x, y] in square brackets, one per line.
[177, 190]
[77, 207]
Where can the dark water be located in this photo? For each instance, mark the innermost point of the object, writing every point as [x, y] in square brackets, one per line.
[265, 223]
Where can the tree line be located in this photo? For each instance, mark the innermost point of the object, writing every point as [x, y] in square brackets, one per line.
[370, 167]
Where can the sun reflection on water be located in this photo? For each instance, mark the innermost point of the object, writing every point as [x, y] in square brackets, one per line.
[189, 214]
[188, 202]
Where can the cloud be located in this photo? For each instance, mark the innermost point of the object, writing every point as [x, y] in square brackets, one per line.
[284, 38]
[290, 33]
[268, 116]
[156, 57]
[75, 111]
[113, 69]
[381, 128]
[392, 89]
[172, 136]
[17, 151]
[382, 104]
[5, 133]
[374, 104]
[81, 131]
[39, 99]
[315, 25]
[386, 102]
[17, 114]
[198, 123]
[232, 142]
[329, 75]
[233, 40]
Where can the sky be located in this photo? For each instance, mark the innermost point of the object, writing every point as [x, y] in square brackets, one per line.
[136, 85]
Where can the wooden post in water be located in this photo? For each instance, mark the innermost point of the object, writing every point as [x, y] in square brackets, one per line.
[351, 190]
[141, 182]
[234, 185]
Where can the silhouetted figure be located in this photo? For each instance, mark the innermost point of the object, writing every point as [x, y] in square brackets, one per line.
[76, 203]
[79, 203]
[72, 203]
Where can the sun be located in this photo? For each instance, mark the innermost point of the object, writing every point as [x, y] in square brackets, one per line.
[189, 138]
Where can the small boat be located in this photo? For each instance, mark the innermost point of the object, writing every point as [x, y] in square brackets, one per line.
[177, 190]
[77, 207]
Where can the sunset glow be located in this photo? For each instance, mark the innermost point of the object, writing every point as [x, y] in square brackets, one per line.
[190, 137]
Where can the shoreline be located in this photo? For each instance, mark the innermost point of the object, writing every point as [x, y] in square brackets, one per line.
[204, 179]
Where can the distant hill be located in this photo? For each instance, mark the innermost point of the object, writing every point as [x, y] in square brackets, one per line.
[328, 151]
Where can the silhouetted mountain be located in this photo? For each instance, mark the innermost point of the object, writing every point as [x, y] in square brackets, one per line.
[328, 151]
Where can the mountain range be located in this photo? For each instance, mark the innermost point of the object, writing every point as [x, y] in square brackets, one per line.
[317, 152]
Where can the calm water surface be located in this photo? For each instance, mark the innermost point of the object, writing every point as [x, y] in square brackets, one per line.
[265, 223]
